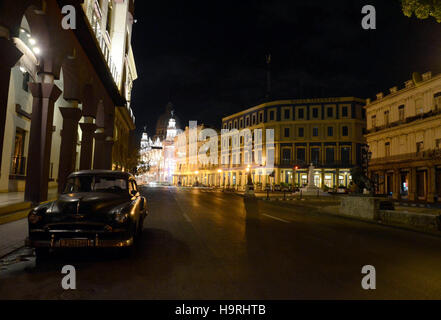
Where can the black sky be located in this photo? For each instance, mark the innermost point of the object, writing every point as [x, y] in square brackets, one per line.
[210, 55]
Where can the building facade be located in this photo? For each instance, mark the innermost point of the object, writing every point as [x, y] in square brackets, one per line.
[191, 170]
[404, 138]
[158, 154]
[61, 89]
[325, 132]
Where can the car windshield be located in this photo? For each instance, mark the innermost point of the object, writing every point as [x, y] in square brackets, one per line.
[95, 183]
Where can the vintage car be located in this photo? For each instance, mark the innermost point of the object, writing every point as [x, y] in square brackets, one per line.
[98, 208]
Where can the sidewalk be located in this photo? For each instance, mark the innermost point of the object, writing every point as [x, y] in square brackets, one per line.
[13, 225]
[10, 198]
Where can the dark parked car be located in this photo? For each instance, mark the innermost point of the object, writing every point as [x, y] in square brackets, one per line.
[277, 187]
[98, 208]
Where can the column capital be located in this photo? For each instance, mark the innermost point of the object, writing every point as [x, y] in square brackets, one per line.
[45, 90]
[71, 113]
[88, 127]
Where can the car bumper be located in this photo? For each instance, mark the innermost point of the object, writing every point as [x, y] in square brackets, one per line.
[79, 243]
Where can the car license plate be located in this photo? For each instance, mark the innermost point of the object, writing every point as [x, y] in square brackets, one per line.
[74, 243]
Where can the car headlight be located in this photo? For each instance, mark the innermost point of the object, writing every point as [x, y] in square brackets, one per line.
[121, 214]
[34, 218]
[121, 217]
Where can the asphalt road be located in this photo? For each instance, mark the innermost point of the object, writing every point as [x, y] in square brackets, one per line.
[210, 245]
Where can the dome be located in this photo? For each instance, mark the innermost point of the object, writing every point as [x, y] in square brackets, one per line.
[162, 123]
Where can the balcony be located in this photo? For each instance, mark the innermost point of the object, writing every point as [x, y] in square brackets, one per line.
[414, 156]
[421, 116]
[94, 16]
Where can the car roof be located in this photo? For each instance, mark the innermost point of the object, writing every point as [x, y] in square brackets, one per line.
[115, 173]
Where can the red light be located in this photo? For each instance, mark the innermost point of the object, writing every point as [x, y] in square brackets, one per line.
[296, 168]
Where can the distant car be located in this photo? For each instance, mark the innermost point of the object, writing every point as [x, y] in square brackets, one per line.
[342, 190]
[277, 187]
[98, 208]
[267, 187]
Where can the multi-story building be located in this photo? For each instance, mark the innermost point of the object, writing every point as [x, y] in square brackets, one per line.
[61, 89]
[404, 138]
[190, 167]
[326, 132]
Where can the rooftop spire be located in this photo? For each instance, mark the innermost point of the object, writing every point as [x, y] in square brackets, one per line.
[268, 75]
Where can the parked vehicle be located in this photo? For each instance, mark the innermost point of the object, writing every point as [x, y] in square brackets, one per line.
[98, 208]
[277, 187]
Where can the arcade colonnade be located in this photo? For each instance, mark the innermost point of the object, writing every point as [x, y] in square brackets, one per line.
[57, 98]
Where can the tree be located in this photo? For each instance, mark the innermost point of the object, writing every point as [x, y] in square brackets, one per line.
[422, 9]
[360, 180]
[133, 159]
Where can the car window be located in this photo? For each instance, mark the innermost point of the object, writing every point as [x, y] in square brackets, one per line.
[110, 184]
[95, 183]
[79, 184]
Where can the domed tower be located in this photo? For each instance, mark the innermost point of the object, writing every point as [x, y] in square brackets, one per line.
[163, 122]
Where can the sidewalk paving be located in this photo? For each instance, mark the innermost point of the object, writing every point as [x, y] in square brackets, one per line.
[10, 198]
[12, 236]
[13, 222]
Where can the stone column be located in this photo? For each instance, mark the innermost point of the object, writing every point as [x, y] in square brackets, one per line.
[337, 177]
[88, 130]
[412, 185]
[69, 135]
[88, 126]
[99, 153]
[10, 55]
[107, 147]
[396, 185]
[44, 94]
[323, 178]
[431, 184]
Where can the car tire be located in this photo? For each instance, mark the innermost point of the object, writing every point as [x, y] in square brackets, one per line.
[41, 253]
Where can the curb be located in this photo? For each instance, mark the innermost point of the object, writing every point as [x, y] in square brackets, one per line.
[11, 217]
[17, 211]
[14, 208]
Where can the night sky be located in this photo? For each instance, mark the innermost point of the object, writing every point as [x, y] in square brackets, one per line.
[209, 56]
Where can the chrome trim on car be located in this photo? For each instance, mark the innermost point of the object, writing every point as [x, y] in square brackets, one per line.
[97, 243]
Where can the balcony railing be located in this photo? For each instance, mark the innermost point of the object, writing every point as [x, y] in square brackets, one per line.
[431, 113]
[94, 15]
[413, 156]
[18, 166]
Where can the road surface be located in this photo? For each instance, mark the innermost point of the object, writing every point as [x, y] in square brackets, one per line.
[199, 244]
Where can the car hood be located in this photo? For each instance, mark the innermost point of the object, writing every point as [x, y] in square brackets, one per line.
[86, 206]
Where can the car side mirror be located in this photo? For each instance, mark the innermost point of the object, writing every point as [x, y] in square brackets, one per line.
[133, 192]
